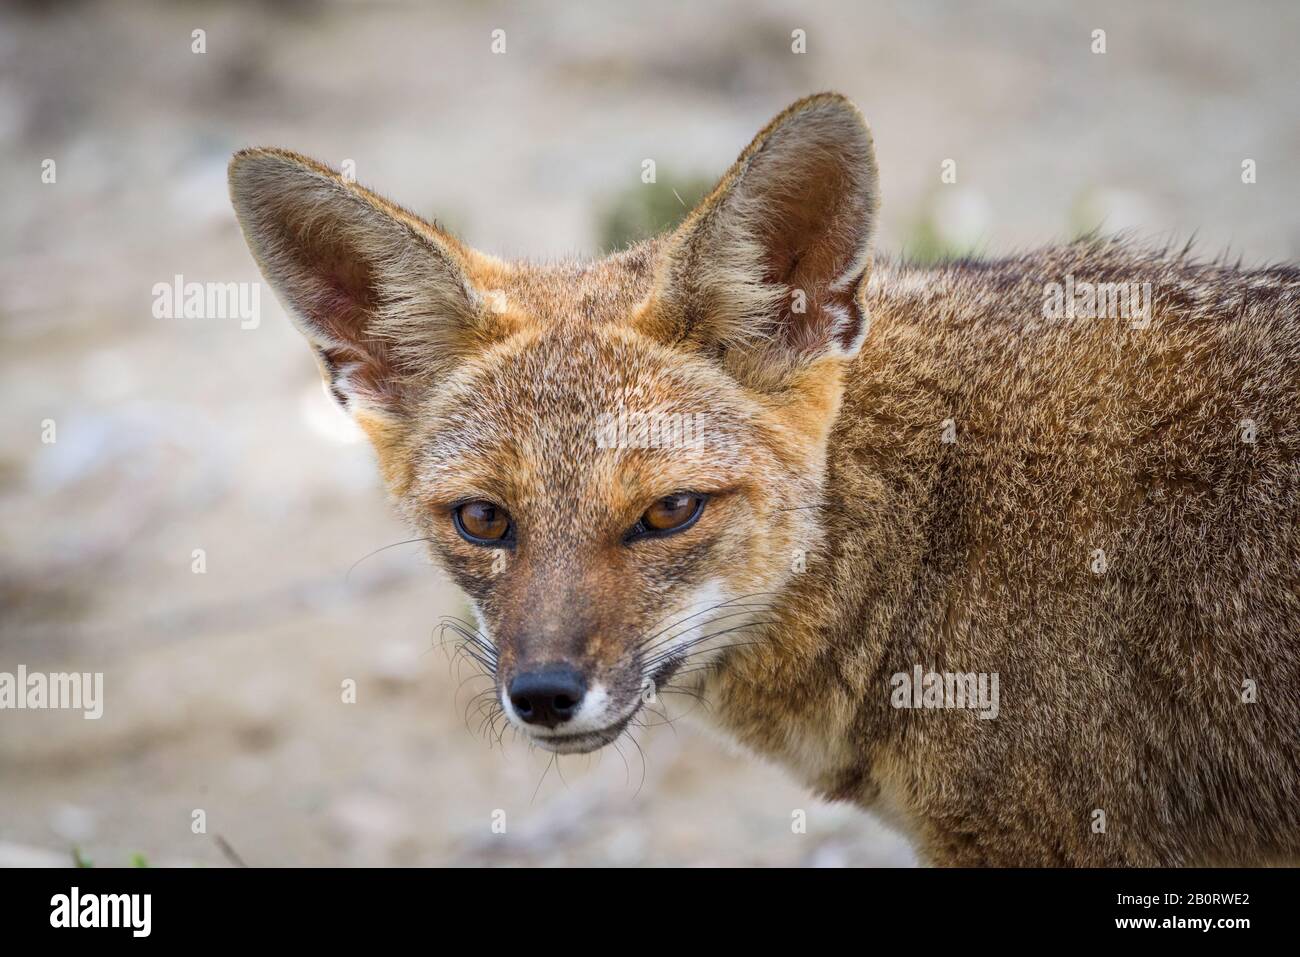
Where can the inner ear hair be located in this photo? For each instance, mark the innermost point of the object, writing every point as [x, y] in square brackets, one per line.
[383, 297]
[772, 262]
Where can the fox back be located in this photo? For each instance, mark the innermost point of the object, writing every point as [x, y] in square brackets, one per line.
[743, 462]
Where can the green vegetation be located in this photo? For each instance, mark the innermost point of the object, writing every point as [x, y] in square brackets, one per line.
[647, 209]
[80, 860]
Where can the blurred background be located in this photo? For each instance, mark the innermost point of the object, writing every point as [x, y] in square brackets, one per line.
[222, 688]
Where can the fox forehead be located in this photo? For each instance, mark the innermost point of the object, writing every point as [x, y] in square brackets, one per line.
[534, 422]
[576, 292]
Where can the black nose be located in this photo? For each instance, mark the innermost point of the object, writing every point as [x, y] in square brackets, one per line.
[548, 696]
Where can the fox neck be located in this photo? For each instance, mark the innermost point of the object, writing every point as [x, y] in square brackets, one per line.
[807, 693]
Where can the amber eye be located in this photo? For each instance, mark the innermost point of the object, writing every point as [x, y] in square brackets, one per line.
[483, 523]
[672, 513]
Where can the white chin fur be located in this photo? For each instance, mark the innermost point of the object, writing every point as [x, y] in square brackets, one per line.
[594, 726]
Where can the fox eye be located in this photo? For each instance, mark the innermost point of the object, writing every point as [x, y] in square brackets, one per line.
[672, 513]
[482, 523]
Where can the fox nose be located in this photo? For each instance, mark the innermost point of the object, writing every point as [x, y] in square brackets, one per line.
[548, 696]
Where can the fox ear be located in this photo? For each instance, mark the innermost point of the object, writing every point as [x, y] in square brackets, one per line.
[768, 269]
[383, 297]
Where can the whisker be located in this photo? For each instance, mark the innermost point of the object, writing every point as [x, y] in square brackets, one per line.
[627, 768]
[748, 610]
[409, 541]
[636, 744]
[544, 773]
[461, 641]
[505, 726]
[487, 726]
[559, 769]
[731, 601]
[466, 626]
[648, 667]
[469, 637]
[707, 666]
[698, 702]
[665, 720]
[488, 705]
[486, 657]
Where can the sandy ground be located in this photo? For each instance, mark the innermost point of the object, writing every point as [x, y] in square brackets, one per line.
[223, 688]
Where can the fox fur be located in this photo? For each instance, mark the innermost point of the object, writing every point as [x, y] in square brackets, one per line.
[905, 468]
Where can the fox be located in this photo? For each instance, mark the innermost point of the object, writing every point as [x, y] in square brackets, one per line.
[1022, 581]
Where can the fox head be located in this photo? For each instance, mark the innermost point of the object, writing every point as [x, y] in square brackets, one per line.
[620, 462]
